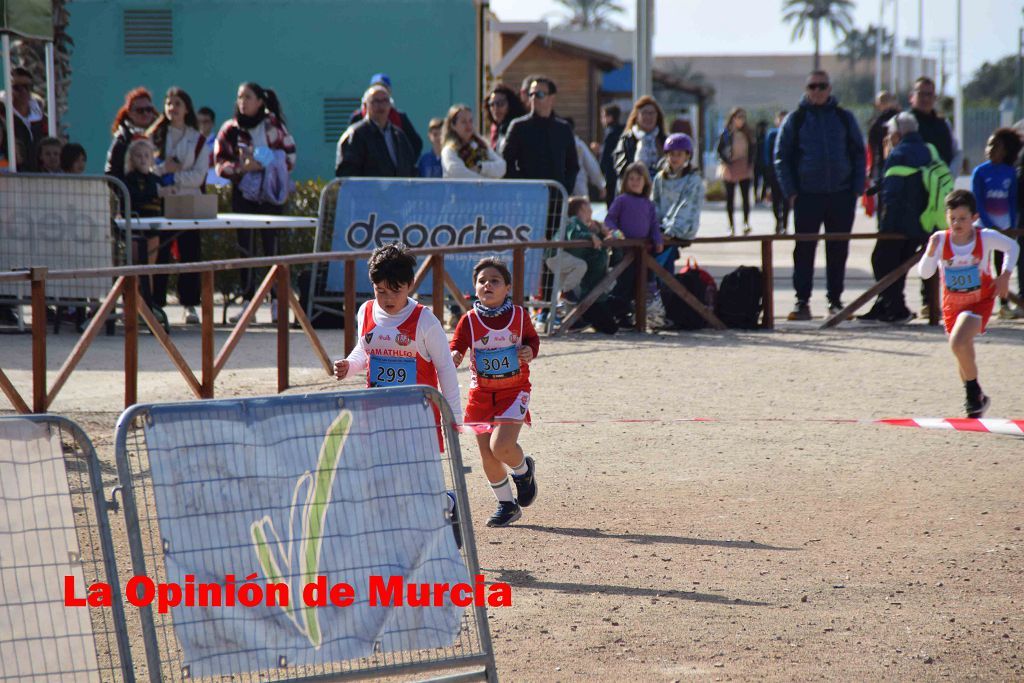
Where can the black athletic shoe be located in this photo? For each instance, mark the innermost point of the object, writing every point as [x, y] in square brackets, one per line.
[456, 527]
[526, 485]
[874, 315]
[505, 514]
[898, 317]
[977, 407]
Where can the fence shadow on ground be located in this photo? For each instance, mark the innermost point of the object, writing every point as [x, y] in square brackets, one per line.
[645, 539]
[522, 578]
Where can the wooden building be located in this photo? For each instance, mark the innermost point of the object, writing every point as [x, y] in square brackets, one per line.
[577, 71]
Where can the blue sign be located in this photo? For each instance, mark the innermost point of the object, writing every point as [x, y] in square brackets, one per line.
[437, 213]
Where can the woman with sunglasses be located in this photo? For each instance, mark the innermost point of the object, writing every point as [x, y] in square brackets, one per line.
[502, 106]
[134, 117]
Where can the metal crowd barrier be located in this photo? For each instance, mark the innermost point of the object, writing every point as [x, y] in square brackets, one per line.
[54, 525]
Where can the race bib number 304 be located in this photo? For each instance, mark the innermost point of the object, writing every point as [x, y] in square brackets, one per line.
[497, 363]
[391, 371]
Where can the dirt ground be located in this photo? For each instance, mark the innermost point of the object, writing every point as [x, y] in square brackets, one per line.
[769, 544]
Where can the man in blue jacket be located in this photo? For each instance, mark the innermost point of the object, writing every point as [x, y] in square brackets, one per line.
[903, 200]
[819, 162]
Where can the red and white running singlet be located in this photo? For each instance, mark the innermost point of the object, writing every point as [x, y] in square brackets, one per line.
[392, 352]
[496, 365]
[966, 285]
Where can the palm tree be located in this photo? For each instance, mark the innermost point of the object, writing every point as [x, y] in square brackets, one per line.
[801, 13]
[590, 14]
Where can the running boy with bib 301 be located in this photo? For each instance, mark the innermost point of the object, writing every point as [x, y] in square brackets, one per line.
[963, 255]
[503, 342]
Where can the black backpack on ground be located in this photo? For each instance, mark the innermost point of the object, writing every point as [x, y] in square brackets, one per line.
[739, 298]
[679, 313]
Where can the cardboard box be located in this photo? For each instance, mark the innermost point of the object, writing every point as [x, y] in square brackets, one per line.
[190, 206]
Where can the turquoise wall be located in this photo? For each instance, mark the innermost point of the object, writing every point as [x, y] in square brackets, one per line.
[305, 50]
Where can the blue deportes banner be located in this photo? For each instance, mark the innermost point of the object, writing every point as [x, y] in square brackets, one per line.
[298, 490]
[436, 213]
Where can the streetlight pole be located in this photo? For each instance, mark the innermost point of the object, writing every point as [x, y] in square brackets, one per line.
[894, 59]
[879, 35]
[643, 48]
[920, 38]
[959, 110]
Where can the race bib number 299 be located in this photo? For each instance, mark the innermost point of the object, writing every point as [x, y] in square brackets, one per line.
[389, 371]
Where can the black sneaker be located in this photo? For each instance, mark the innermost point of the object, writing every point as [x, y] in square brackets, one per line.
[977, 407]
[874, 315]
[505, 514]
[898, 317]
[800, 312]
[835, 307]
[526, 485]
[456, 527]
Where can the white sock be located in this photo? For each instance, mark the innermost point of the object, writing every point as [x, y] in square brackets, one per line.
[503, 491]
[521, 469]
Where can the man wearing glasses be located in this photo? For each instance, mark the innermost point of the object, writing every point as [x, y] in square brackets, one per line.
[932, 127]
[541, 146]
[820, 165]
[30, 124]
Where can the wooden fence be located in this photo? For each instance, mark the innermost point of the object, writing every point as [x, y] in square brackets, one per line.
[125, 288]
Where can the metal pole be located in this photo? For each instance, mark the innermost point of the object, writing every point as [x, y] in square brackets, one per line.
[1020, 71]
[959, 123]
[894, 60]
[12, 146]
[51, 92]
[920, 38]
[879, 33]
[642, 49]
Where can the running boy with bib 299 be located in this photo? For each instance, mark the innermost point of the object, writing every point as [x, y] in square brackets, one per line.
[400, 342]
[969, 290]
[503, 342]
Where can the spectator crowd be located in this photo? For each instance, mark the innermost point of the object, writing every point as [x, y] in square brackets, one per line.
[813, 162]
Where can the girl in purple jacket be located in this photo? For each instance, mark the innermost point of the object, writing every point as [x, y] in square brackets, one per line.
[633, 216]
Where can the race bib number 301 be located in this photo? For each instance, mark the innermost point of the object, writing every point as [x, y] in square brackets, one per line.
[963, 278]
[497, 363]
[391, 371]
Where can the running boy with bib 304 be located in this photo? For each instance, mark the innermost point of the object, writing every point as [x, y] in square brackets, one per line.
[503, 342]
[963, 254]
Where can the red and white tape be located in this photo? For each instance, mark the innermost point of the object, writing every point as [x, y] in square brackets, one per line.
[959, 424]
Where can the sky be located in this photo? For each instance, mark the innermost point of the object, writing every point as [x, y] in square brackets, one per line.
[755, 26]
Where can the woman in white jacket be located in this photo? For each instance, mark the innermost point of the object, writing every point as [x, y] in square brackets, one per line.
[465, 154]
[182, 163]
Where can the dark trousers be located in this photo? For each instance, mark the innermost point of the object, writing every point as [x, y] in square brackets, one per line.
[780, 207]
[836, 212]
[997, 259]
[554, 215]
[189, 252]
[744, 196]
[887, 257]
[153, 288]
[246, 239]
